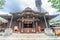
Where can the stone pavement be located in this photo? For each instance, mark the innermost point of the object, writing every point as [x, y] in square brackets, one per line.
[29, 36]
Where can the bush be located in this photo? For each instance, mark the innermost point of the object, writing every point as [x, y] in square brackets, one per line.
[1, 22]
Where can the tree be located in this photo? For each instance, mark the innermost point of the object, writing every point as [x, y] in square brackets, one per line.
[2, 3]
[1, 22]
[54, 21]
[55, 4]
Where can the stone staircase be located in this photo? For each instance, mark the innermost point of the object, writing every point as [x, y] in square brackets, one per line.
[29, 36]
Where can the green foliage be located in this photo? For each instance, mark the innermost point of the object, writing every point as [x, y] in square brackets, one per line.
[55, 4]
[54, 21]
[2, 3]
[1, 22]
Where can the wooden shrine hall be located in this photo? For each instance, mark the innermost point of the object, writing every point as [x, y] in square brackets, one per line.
[27, 21]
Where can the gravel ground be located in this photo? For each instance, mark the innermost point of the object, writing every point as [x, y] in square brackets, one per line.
[29, 36]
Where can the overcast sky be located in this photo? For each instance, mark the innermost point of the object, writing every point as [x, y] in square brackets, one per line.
[19, 5]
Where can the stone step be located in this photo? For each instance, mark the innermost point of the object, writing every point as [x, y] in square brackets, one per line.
[29, 36]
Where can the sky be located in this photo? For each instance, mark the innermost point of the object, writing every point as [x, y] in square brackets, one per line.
[19, 5]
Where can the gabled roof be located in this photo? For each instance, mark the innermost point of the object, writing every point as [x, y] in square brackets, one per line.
[49, 17]
[43, 12]
[6, 16]
[28, 9]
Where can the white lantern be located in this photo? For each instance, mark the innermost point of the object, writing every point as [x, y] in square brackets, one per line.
[16, 27]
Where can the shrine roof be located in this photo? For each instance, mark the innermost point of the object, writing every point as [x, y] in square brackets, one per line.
[49, 17]
[41, 13]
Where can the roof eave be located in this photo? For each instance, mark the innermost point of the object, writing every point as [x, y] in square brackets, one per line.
[49, 17]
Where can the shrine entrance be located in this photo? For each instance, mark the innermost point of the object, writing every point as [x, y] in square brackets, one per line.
[28, 24]
[28, 27]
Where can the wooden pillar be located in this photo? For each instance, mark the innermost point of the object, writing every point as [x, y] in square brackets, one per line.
[33, 25]
[19, 24]
[33, 22]
[22, 24]
[45, 21]
[36, 26]
[11, 21]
